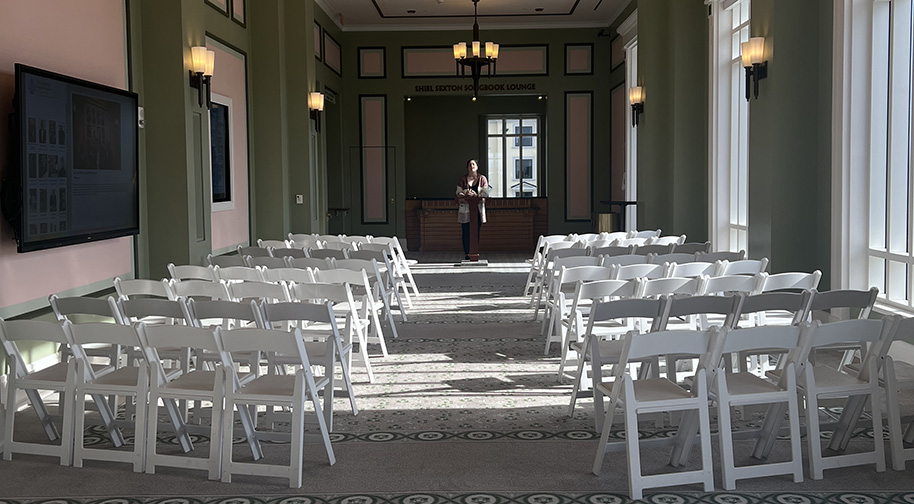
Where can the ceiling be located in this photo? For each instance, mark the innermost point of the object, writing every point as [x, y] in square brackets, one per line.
[405, 15]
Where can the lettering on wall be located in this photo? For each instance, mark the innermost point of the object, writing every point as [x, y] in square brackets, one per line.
[446, 88]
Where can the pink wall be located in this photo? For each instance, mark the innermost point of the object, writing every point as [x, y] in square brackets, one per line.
[373, 125]
[230, 227]
[84, 39]
[578, 145]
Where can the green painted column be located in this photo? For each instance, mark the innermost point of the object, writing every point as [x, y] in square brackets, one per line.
[177, 206]
[789, 138]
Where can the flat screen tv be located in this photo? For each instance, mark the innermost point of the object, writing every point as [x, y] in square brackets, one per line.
[77, 161]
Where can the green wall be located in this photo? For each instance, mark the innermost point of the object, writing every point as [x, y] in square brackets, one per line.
[789, 138]
[452, 159]
[673, 130]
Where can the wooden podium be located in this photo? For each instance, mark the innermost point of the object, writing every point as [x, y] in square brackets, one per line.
[473, 201]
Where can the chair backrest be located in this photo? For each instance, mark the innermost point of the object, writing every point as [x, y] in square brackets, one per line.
[672, 257]
[653, 287]
[329, 238]
[155, 337]
[84, 309]
[341, 245]
[860, 300]
[621, 260]
[554, 254]
[378, 255]
[262, 291]
[191, 272]
[567, 278]
[602, 290]
[253, 251]
[683, 306]
[200, 289]
[722, 256]
[225, 260]
[740, 267]
[630, 271]
[792, 302]
[310, 262]
[575, 261]
[849, 331]
[646, 233]
[248, 340]
[731, 283]
[793, 280]
[636, 242]
[666, 240]
[301, 275]
[779, 339]
[143, 288]
[598, 243]
[12, 331]
[691, 269]
[223, 313]
[370, 266]
[238, 274]
[272, 243]
[80, 335]
[267, 261]
[386, 247]
[287, 252]
[654, 249]
[357, 279]
[326, 253]
[321, 292]
[692, 248]
[137, 309]
[300, 314]
[305, 241]
[652, 344]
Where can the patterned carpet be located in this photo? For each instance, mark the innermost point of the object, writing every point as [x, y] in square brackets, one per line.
[467, 375]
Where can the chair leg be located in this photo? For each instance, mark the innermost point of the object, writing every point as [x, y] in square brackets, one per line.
[298, 430]
[604, 440]
[707, 469]
[578, 375]
[727, 464]
[633, 453]
[896, 436]
[813, 436]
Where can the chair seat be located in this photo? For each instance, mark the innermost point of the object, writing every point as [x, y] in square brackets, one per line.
[904, 373]
[272, 388]
[659, 389]
[55, 373]
[829, 378]
[747, 383]
[120, 377]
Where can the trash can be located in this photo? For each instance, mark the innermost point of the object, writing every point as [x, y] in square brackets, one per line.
[606, 222]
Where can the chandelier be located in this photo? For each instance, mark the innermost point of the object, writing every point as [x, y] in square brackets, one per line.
[474, 58]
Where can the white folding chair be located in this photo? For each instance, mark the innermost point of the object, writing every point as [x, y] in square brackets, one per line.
[130, 382]
[196, 384]
[290, 391]
[268, 292]
[327, 253]
[739, 267]
[362, 292]
[630, 271]
[252, 251]
[139, 288]
[692, 269]
[544, 293]
[288, 252]
[309, 262]
[646, 249]
[322, 342]
[191, 272]
[818, 382]
[692, 247]
[60, 378]
[265, 244]
[560, 299]
[305, 241]
[393, 278]
[267, 261]
[378, 285]
[200, 289]
[546, 266]
[232, 274]
[297, 274]
[722, 256]
[729, 390]
[674, 257]
[652, 395]
[394, 243]
[354, 317]
[225, 261]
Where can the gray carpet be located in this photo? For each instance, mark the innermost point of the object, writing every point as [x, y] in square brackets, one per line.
[465, 409]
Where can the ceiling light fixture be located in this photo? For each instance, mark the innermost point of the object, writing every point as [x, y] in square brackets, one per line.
[474, 58]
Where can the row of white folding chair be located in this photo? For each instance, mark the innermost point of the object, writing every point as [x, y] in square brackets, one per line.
[726, 389]
[78, 377]
[392, 272]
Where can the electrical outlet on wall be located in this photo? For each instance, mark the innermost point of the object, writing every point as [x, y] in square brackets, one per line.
[299, 199]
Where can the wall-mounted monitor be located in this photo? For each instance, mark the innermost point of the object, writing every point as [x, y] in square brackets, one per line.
[77, 147]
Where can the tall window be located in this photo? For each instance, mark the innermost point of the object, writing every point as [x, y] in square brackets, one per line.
[513, 156]
[729, 126]
[890, 248]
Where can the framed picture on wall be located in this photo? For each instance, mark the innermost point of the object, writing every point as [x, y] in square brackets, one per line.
[333, 54]
[318, 41]
[223, 183]
[238, 11]
[219, 5]
[617, 52]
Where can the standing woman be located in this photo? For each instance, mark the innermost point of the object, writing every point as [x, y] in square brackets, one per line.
[471, 184]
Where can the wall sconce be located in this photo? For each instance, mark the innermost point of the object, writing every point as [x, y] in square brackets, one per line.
[316, 106]
[203, 61]
[636, 98]
[753, 55]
